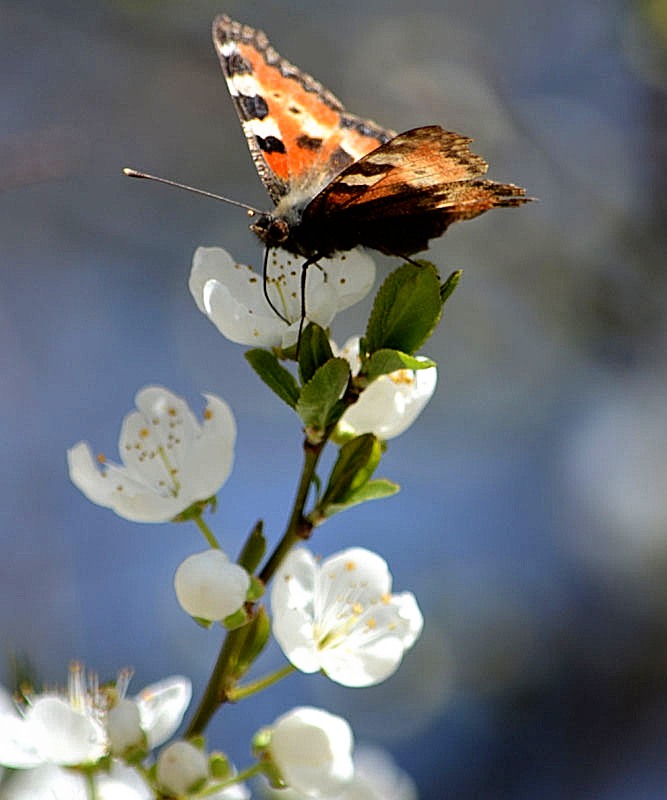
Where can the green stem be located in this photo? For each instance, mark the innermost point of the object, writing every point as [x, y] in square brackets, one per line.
[248, 773]
[298, 527]
[241, 692]
[91, 785]
[219, 683]
[208, 533]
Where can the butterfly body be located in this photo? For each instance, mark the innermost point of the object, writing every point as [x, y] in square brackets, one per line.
[337, 180]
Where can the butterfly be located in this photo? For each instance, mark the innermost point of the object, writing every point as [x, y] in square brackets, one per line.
[337, 180]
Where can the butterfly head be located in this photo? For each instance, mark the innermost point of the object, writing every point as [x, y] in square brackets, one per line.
[273, 231]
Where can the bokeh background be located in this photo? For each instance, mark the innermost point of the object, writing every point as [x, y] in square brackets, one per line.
[532, 524]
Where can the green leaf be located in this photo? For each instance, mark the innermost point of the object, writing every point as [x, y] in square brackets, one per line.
[257, 635]
[385, 361]
[447, 288]
[314, 351]
[274, 375]
[320, 403]
[355, 464]
[407, 308]
[371, 490]
[253, 549]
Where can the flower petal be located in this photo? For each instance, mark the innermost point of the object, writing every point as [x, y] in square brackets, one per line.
[65, 736]
[162, 706]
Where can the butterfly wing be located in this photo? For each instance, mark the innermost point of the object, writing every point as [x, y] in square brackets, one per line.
[299, 134]
[404, 193]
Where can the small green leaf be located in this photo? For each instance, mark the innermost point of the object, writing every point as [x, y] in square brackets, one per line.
[255, 590]
[320, 403]
[447, 288]
[385, 361]
[274, 375]
[371, 490]
[314, 351]
[351, 468]
[259, 630]
[253, 549]
[236, 620]
[407, 308]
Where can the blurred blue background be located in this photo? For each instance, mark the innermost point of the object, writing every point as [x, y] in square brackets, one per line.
[532, 524]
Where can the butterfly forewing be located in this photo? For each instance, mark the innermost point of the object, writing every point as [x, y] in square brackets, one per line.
[299, 134]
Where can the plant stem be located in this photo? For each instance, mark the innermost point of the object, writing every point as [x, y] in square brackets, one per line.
[208, 533]
[215, 693]
[241, 692]
[218, 689]
[248, 773]
[298, 526]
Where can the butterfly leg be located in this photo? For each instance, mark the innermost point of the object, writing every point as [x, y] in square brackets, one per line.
[304, 272]
[265, 286]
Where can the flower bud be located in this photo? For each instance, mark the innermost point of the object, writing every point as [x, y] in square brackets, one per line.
[209, 586]
[181, 768]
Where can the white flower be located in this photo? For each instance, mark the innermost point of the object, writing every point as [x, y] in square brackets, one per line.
[376, 777]
[340, 617]
[169, 460]
[389, 405]
[49, 782]
[209, 586]
[232, 295]
[313, 751]
[160, 707]
[181, 768]
[71, 729]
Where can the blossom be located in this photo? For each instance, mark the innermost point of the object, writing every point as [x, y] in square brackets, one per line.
[181, 768]
[231, 295]
[70, 729]
[391, 403]
[340, 617]
[170, 461]
[50, 782]
[376, 777]
[209, 586]
[313, 751]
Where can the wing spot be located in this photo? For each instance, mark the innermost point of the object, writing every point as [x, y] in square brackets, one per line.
[308, 142]
[254, 107]
[270, 144]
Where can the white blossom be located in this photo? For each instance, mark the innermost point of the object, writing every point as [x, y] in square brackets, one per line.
[170, 460]
[376, 777]
[70, 728]
[391, 403]
[181, 768]
[340, 616]
[208, 585]
[231, 295]
[50, 782]
[313, 751]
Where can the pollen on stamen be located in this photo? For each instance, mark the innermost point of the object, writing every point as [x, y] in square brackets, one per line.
[357, 608]
[208, 414]
[172, 411]
[402, 377]
[350, 566]
[144, 433]
[101, 458]
[371, 623]
[385, 598]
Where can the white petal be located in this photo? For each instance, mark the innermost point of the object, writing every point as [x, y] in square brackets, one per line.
[391, 403]
[354, 570]
[123, 725]
[18, 747]
[312, 749]
[47, 782]
[122, 783]
[162, 706]
[231, 296]
[181, 767]
[209, 586]
[65, 736]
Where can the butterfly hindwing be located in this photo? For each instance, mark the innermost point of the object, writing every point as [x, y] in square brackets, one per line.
[405, 192]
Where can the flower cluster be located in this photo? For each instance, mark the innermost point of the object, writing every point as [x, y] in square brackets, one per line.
[337, 616]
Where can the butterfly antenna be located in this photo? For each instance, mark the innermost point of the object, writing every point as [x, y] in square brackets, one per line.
[265, 287]
[133, 173]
